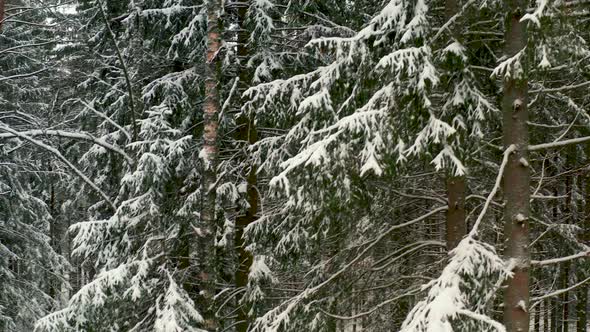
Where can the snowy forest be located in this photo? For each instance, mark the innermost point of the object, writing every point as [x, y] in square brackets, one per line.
[294, 165]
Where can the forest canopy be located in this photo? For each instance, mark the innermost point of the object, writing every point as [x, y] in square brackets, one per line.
[294, 165]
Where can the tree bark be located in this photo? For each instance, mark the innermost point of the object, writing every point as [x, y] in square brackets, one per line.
[582, 293]
[516, 176]
[456, 187]
[581, 308]
[554, 315]
[565, 297]
[208, 275]
[546, 314]
[537, 319]
[246, 134]
[1, 13]
[565, 275]
[456, 227]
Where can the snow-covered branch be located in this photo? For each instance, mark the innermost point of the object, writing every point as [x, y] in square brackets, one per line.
[66, 134]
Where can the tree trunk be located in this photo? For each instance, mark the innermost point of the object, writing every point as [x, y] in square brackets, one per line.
[554, 315]
[2, 5]
[582, 297]
[566, 265]
[516, 177]
[546, 315]
[451, 8]
[565, 297]
[456, 213]
[537, 319]
[455, 223]
[582, 292]
[208, 275]
[246, 134]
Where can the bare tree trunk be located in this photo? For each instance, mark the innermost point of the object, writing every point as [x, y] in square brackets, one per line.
[565, 275]
[456, 227]
[246, 134]
[546, 314]
[554, 315]
[565, 296]
[537, 319]
[516, 177]
[208, 275]
[455, 223]
[1, 13]
[581, 308]
[451, 8]
[582, 293]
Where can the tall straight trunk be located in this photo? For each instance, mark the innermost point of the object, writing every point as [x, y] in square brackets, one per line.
[582, 292]
[246, 134]
[537, 319]
[516, 176]
[455, 223]
[546, 314]
[1, 13]
[554, 315]
[456, 227]
[581, 308]
[208, 275]
[565, 275]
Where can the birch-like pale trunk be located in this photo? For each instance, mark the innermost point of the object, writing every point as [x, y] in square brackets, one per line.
[516, 177]
[208, 275]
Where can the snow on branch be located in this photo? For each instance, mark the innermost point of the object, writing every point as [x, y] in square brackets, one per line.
[461, 291]
[511, 67]
[537, 300]
[559, 144]
[273, 320]
[64, 160]
[537, 14]
[495, 189]
[67, 134]
[583, 254]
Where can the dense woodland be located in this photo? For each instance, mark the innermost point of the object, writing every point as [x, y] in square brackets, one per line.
[294, 165]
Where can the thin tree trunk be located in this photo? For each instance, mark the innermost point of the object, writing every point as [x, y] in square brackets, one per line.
[455, 223]
[246, 134]
[516, 177]
[208, 274]
[537, 319]
[547, 314]
[566, 265]
[1, 13]
[554, 315]
[456, 227]
[581, 307]
[582, 293]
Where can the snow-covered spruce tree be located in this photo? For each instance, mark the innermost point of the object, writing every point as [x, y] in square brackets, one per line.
[29, 267]
[268, 37]
[557, 76]
[31, 271]
[146, 266]
[363, 113]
